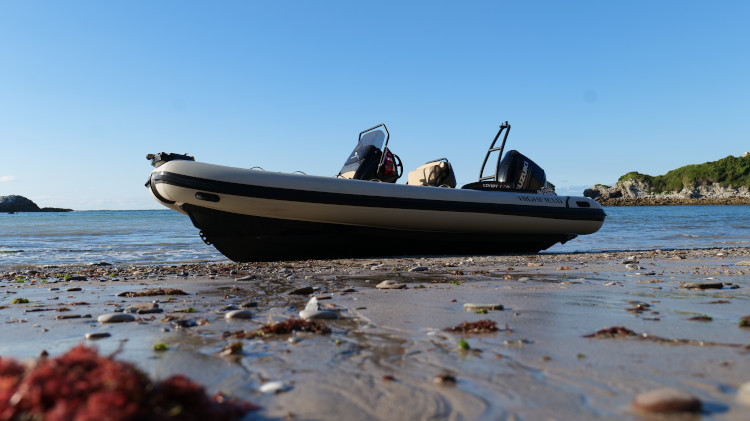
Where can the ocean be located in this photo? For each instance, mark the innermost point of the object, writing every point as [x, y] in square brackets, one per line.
[166, 237]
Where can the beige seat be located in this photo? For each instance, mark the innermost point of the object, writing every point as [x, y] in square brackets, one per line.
[437, 173]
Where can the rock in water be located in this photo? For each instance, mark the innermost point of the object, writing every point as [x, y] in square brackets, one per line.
[239, 314]
[667, 399]
[116, 318]
[15, 203]
[390, 285]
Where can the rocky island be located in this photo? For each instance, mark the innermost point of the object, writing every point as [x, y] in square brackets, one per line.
[15, 203]
[722, 182]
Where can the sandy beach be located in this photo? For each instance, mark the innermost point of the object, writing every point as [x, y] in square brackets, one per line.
[390, 354]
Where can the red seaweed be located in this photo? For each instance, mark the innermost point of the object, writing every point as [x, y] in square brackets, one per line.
[481, 326]
[291, 325]
[81, 385]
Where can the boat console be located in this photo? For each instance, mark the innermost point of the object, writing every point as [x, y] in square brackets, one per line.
[514, 172]
[371, 159]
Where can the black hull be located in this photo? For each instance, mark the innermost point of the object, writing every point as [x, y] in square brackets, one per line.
[244, 238]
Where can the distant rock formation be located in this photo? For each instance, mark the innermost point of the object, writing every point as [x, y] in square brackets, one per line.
[633, 192]
[726, 181]
[15, 203]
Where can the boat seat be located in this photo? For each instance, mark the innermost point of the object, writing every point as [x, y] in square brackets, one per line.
[437, 173]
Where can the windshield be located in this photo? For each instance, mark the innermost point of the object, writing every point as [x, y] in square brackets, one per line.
[373, 138]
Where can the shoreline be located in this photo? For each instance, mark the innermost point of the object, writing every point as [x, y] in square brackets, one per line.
[388, 355]
[672, 201]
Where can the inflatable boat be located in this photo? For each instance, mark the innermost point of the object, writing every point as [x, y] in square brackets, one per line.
[255, 215]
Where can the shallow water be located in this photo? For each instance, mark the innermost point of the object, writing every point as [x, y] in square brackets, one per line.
[164, 236]
[666, 227]
[101, 236]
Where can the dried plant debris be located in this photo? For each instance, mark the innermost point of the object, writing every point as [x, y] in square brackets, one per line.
[286, 327]
[153, 292]
[481, 326]
[82, 385]
[623, 332]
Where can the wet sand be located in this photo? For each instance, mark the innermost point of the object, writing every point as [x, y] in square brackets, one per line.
[388, 355]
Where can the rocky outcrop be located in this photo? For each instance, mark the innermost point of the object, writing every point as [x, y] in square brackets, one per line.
[635, 192]
[15, 203]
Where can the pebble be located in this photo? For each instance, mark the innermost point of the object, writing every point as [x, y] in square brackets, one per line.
[475, 307]
[249, 304]
[312, 305]
[150, 310]
[115, 318]
[73, 289]
[702, 285]
[743, 394]
[632, 267]
[97, 335]
[390, 285]
[743, 263]
[246, 278]
[226, 308]
[418, 269]
[318, 314]
[534, 264]
[238, 314]
[136, 308]
[302, 291]
[275, 387]
[72, 316]
[667, 399]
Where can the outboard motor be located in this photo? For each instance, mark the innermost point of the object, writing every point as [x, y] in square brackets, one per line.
[520, 172]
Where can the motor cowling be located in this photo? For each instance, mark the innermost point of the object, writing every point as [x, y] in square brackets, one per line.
[520, 172]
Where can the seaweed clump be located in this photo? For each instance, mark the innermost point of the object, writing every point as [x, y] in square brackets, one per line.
[481, 326]
[154, 292]
[81, 385]
[612, 332]
[291, 325]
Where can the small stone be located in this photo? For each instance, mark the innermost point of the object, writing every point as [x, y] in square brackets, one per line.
[475, 307]
[74, 289]
[390, 285]
[312, 305]
[97, 335]
[418, 269]
[72, 316]
[535, 264]
[743, 263]
[318, 314]
[115, 318]
[632, 267]
[743, 394]
[238, 314]
[149, 310]
[226, 308]
[275, 387]
[702, 285]
[667, 400]
[302, 291]
[246, 278]
[249, 304]
[136, 308]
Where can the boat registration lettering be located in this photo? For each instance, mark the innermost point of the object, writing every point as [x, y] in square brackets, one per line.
[540, 199]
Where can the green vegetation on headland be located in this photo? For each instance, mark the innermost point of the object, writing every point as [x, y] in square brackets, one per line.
[15, 203]
[722, 182]
[727, 172]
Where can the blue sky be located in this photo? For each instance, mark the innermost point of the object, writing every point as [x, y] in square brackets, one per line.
[592, 89]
